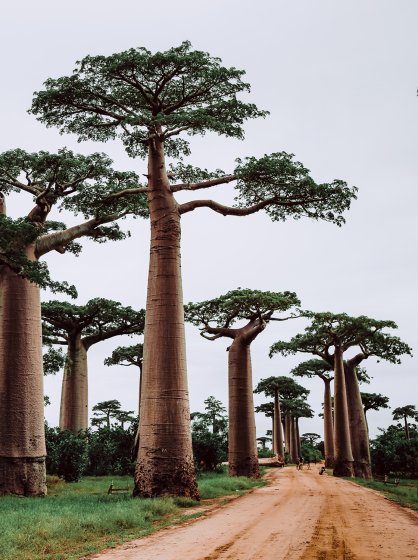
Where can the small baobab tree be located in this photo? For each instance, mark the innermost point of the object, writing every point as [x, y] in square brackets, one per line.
[270, 386]
[323, 370]
[151, 102]
[403, 413]
[253, 310]
[128, 356]
[373, 401]
[106, 411]
[79, 327]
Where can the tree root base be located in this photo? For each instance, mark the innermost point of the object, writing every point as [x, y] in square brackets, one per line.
[22, 476]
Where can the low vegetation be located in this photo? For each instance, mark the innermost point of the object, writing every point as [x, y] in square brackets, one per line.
[81, 518]
[405, 494]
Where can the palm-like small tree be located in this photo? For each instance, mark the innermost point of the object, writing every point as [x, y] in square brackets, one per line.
[403, 413]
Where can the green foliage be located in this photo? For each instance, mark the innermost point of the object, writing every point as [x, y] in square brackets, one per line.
[74, 182]
[392, 453]
[313, 368]
[264, 453]
[126, 356]
[54, 361]
[111, 451]
[239, 304]
[210, 435]
[15, 237]
[266, 408]
[310, 452]
[404, 412]
[134, 94]
[287, 387]
[292, 191]
[374, 401]
[67, 454]
[99, 319]
[327, 329]
[104, 411]
[296, 407]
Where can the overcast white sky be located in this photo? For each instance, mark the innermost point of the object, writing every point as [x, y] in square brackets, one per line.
[340, 80]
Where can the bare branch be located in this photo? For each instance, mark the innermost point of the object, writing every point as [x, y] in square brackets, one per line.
[203, 184]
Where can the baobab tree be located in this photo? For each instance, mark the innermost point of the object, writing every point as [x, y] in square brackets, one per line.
[263, 440]
[128, 356]
[403, 413]
[67, 181]
[78, 328]
[321, 369]
[105, 411]
[293, 409]
[340, 332]
[253, 310]
[373, 401]
[150, 102]
[270, 386]
[268, 410]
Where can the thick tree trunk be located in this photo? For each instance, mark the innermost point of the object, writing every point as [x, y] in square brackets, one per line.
[358, 427]
[74, 393]
[165, 459]
[298, 437]
[278, 435]
[406, 428]
[273, 437]
[287, 436]
[343, 458]
[328, 426]
[242, 445]
[293, 440]
[22, 431]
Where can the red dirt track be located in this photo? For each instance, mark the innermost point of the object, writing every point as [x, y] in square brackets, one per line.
[298, 516]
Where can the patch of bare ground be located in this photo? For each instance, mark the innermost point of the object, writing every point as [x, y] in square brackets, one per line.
[298, 516]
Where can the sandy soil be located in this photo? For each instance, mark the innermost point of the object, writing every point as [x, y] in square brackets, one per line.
[298, 516]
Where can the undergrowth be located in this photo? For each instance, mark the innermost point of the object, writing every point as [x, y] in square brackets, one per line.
[80, 518]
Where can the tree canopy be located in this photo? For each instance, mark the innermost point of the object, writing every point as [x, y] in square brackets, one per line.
[374, 401]
[137, 96]
[97, 320]
[126, 356]
[219, 314]
[67, 181]
[329, 329]
[287, 387]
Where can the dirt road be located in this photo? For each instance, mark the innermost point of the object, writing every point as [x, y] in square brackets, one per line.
[298, 516]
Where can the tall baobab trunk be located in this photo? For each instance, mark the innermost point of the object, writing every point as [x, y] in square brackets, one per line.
[298, 437]
[405, 420]
[74, 394]
[277, 433]
[242, 445]
[293, 440]
[328, 426]
[287, 435]
[165, 459]
[358, 427]
[343, 458]
[22, 431]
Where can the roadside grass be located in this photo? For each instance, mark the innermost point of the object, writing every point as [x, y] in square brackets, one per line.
[405, 494]
[77, 519]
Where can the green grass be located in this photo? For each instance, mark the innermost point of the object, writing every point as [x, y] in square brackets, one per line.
[80, 518]
[405, 494]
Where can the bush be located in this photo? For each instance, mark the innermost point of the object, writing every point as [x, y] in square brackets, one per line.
[111, 452]
[66, 454]
[392, 453]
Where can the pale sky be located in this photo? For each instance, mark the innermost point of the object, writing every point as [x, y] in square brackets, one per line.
[340, 81]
